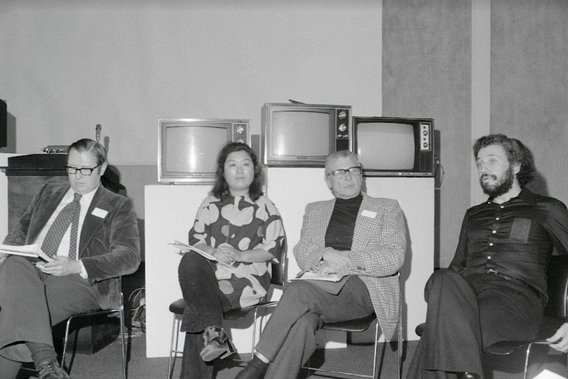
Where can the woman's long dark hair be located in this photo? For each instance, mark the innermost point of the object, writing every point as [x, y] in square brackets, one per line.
[221, 188]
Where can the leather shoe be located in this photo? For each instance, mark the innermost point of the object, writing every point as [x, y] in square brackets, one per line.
[50, 369]
[217, 344]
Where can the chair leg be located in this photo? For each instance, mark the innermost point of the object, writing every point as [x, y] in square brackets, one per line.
[123, 342]
[173, 347]
[65, 341]
[527, 354]
[253, 333]
[400, 346]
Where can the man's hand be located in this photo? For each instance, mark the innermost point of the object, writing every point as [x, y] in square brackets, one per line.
[338, 261]
[559, 340]
[60, 266]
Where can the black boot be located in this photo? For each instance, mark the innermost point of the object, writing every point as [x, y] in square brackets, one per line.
[255, 369]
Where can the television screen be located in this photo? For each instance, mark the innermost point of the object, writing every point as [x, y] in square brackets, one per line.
[183, 154]
[188, 148]
[385, 146]
[310, 125]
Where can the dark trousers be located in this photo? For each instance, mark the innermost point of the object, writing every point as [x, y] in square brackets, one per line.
[204, 308]
[288, 339]
[31, 302]
[465, 315]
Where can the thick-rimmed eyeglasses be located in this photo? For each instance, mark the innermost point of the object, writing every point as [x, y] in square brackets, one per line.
[341, 172]
[85, 171]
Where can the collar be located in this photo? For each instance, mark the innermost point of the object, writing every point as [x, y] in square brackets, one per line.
[525, 195]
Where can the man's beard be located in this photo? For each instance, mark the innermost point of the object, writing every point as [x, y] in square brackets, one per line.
[501, 187]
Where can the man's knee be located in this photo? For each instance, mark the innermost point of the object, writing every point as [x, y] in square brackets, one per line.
[441, 279]
[13, 265]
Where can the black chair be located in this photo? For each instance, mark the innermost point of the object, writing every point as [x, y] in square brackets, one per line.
[556, 313]
[178, 307]
[358, 326]
[114, 312]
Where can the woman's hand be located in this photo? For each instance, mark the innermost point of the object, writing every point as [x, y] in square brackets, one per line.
[227, 254]
[231, 255]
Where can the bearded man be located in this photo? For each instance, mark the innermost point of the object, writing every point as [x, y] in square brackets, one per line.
[495, 288]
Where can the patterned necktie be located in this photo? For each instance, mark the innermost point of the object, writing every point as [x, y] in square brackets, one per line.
[68, 215]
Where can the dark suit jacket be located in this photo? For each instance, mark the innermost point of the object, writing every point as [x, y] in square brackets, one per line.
[109, 245]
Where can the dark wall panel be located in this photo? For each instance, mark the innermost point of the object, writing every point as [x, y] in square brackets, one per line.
[529, 84]
[427, 73]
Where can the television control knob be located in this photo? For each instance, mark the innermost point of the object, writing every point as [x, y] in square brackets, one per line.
[342, 127]
[240, 129]
[342, 115]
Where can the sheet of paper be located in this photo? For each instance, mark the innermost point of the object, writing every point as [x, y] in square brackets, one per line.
[185, 248]
[30, 251]
[308, 275]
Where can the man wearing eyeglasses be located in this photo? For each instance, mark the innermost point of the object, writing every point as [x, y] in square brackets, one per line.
[91, 237]
[353, 235]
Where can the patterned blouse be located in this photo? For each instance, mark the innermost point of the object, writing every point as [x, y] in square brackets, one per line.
[245, 225]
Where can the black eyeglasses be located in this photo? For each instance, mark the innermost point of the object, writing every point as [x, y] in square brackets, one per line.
[86, 171]
[341, 172]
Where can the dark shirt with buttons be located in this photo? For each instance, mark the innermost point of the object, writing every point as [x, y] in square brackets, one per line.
[513, 240]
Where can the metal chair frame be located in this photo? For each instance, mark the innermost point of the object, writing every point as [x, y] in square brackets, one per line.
[358, 326]
[278, 278]
[109, 312]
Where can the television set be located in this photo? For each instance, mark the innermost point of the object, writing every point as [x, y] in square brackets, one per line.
[303, 135]
[188, 147]
[394, 146]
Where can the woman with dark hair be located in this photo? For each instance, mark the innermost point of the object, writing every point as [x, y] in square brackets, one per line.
[238, 226]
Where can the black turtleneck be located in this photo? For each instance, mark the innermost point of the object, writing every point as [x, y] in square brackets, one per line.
[339, 234]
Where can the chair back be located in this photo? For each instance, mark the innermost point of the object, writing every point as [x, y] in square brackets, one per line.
[279, 269]
[557, 279]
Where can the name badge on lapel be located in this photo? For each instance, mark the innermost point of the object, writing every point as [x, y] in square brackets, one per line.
[368, 213]
[100, 213]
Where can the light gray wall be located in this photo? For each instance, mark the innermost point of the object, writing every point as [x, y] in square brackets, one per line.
[67, 66]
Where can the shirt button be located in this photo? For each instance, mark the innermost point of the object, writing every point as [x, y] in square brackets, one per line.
[489, 257]
[502, 206]
[497, 218]
[490, 243]
[494, 232]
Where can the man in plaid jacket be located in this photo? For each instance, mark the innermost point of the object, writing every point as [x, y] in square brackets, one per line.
[354, 235]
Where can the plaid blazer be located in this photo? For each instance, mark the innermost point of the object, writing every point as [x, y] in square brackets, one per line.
[377, 252]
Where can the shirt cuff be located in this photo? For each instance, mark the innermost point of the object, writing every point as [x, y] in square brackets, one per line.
[83, 273]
